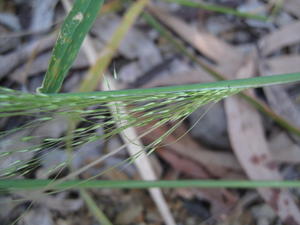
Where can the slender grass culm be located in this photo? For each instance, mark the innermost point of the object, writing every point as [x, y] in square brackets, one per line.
[24, 146]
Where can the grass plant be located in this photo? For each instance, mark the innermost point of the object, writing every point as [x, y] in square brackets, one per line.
[145, 105]
[156, 106]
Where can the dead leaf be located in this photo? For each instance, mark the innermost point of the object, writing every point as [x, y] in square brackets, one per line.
[182, 164]
[218, 164]
[189, 77]
[277, 96]
[134, 45]
[282, 104]
[285, 36]
[293, 6]
[43, 12]
[7, 43]
[284, 149]
[226, 57]
[40, 64]
[249, 144]
[204, 42]
[283, 64]
[10, 61]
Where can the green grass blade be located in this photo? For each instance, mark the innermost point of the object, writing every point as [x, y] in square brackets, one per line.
[30, 184]
[75, 27]
[97, 212]
[219, 9]
[219, 85]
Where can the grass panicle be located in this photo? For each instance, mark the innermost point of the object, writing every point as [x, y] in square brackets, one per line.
[145, 106]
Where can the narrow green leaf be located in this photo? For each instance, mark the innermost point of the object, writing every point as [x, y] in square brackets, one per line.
[219, 9]
[253, 82]
[75, 27]
[30, 184]
[95, 209]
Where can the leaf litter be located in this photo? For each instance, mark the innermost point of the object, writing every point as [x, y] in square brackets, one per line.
[97, 111]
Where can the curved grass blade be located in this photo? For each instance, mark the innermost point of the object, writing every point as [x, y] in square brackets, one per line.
[71, 35]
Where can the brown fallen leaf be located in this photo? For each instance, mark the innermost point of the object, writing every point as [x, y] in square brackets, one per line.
[277, 96]
[135, 45]
[284, 149]
[217, 164]
[192, 76]
[7, 43]
[226, 57]
[292, 6]
[182, 164]
[287, 35]
[283, 64]
[282, 104]
[10, 61]
[204, 42]
[250, 146]
[40, 64]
